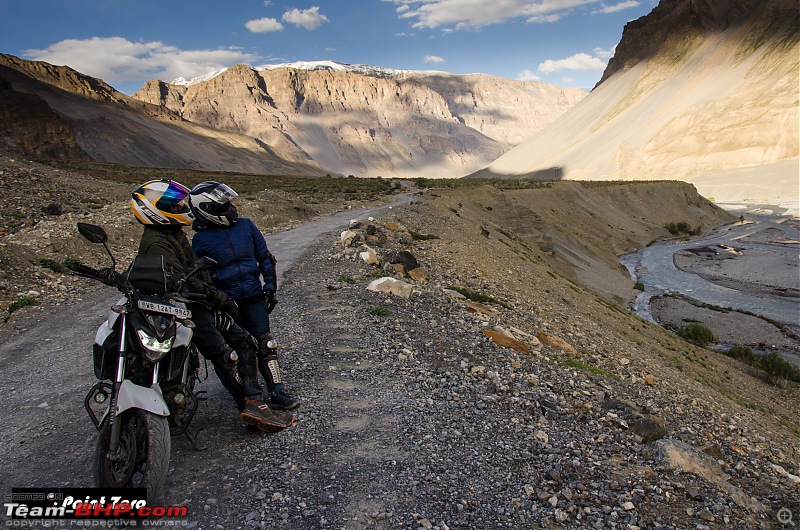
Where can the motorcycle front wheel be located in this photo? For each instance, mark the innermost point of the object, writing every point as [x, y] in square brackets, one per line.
[142, 456]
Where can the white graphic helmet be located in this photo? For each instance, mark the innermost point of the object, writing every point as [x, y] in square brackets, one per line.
[161, 202]
[211, 201]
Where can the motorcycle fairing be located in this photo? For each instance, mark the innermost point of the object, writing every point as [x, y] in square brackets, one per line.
[183, 337]
[132, 396]
[107, 327]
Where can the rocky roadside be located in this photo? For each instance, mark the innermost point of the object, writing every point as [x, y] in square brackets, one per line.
[539, 406]
[414, 418]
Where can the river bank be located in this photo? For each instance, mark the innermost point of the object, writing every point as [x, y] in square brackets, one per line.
[742, 282]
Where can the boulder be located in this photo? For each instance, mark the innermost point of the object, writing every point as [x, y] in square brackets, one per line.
[418, 275]
[505, 338]
[556, 342]
[675, 454]
[369, 256]
[347, 237]
[391, 286]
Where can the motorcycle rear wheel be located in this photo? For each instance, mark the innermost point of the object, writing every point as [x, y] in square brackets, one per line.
[142, 456]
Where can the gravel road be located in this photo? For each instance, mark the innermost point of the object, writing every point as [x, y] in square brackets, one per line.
[411, 418]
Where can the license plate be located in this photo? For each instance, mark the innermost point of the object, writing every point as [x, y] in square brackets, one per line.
[164, 308]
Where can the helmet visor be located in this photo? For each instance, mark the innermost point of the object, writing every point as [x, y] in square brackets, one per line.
[174, 199]
[222, 194]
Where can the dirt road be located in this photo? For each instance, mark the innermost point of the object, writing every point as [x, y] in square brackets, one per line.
[47, 440]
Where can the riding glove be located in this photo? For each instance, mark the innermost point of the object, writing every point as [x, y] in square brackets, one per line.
[270, 301]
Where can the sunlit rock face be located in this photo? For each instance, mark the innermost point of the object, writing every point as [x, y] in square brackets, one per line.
[370, 122]
[701, 91]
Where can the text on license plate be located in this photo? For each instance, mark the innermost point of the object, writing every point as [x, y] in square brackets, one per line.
[166, 309]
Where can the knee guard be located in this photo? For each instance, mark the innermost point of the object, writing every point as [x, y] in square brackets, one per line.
[225, 366]
[268, 361]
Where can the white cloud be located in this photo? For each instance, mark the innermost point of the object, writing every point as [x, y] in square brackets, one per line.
[579, 61]
[433, 59]
[263, 25]
[118, 60]
[544, 19]
[527, 75]
[465, 14]
[618, 7]
[605, 54]
[309, 18]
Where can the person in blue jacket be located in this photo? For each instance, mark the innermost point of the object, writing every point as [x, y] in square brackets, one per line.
[245, 271]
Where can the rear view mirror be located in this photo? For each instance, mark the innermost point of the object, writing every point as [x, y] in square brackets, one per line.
[92, 233]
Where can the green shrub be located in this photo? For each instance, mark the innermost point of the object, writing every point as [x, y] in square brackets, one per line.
[378, 311]
[53, 265]
[478, 297]
[697, 334]
[639, 286]
[743, 354]
[572, 363]
[778, 369]
[416, 236]
[682, 227]
[19, 303]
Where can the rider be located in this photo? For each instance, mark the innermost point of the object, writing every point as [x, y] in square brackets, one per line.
[245, 270]
[161, 206]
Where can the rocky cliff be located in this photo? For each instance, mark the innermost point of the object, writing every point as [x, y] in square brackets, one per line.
[32, 127]
[52, 111]
[399, 124]
[699, 91]
[679, 23]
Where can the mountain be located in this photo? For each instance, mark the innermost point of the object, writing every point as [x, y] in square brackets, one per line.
[56, 112]
[703, 91]
[368, 121]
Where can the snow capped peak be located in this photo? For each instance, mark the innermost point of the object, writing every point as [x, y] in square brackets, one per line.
[373, 71]
[199, 79]
[334, 66]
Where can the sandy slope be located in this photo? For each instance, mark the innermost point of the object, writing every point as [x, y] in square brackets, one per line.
[722, 115]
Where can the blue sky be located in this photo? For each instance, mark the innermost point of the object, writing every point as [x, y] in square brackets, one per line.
[564, 42]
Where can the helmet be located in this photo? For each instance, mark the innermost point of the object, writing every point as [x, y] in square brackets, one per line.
[161, 202]
[211, 201]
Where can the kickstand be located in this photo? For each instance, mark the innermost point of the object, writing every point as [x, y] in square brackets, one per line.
[193, 440]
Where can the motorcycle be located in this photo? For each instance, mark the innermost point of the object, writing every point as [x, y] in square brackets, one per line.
[147, 367]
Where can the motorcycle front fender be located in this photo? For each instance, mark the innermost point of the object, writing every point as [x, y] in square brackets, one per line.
[134, 396]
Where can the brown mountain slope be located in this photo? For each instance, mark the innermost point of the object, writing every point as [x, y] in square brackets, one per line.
[403, 124]
[711, 100]
[86, 115]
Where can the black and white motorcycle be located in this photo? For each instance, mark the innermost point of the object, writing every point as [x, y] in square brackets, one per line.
[147, 367]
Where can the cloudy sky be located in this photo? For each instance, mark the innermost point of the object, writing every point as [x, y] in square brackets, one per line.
[564, 42]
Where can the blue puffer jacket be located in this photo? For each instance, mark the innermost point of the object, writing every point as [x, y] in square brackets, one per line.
[242, 256]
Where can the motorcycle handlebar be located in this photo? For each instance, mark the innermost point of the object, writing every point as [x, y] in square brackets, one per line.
[83, 270]
[106, 276]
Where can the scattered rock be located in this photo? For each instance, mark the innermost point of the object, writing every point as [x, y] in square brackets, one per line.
[556, 342]
[392, 286]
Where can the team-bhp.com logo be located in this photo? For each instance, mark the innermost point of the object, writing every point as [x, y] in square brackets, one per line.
[84, 503]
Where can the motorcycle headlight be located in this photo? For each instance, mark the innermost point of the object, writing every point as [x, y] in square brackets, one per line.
[153, 349]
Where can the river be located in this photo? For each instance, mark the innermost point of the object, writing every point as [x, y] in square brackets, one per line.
[654, 266]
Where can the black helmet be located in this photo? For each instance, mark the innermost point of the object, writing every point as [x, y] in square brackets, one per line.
[211, 202]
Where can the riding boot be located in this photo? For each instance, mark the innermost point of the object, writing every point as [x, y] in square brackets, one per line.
[271, 371]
